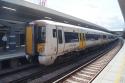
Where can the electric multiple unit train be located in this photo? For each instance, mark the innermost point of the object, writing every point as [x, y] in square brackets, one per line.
[46, 40]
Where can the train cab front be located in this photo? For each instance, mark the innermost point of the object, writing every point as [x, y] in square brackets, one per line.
[35, 41]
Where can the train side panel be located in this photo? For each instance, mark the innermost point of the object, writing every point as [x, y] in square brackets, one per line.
[51, 40]
[71, 39]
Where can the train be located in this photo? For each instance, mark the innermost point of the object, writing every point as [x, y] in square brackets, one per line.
[46, 40]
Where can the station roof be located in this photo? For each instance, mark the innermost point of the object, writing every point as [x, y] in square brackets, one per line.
[122, 6]
[20, 11]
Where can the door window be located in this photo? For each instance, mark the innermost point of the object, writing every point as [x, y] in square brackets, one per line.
[60, 37]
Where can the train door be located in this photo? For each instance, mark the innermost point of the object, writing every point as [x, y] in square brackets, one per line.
[82, 40]
[60, 37]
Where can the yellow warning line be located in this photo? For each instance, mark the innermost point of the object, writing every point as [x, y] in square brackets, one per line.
[120, 72]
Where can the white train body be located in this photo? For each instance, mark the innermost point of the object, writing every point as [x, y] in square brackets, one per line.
[60, 38]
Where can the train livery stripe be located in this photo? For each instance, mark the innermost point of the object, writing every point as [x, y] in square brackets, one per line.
[29, 39]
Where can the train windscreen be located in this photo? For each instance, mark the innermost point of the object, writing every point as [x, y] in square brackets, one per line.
[41, 34]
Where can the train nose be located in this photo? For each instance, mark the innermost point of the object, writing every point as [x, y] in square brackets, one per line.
[46, 60]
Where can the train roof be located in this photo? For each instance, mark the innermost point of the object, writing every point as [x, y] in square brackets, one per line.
[69, 25]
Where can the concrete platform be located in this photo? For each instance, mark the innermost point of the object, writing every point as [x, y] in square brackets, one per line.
[12, 54]
[114, 72]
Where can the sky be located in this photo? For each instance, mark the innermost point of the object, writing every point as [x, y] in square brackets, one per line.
[105, 13]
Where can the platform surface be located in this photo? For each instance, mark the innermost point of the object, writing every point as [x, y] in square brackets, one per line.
[114, 72]
[12, 54]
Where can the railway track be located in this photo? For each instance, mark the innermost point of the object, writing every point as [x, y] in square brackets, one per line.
[10, 71]
[13, 75]
[60, 75]
[47, 74]
[88, 72]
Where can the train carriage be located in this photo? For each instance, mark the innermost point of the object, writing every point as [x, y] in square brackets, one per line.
[46, 40]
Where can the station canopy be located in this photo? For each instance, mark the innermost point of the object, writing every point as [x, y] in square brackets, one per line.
[20, 11]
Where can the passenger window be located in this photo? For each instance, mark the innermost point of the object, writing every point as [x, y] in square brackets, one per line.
[60, 36]
[104, 36]
[54, 33]
[71, 37]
